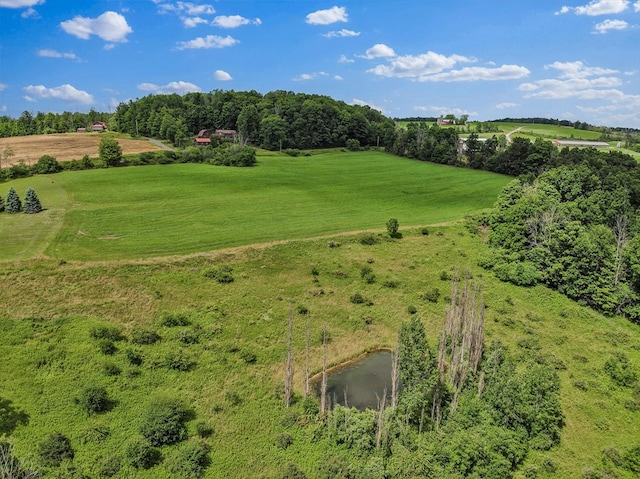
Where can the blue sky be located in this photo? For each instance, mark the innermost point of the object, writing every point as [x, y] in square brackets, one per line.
[489, 59]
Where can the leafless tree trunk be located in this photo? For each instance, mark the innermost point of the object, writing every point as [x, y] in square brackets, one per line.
[380, 422]
[288, 380]
[395, 373]
[323, 387]
[620, 233]
[307, 367]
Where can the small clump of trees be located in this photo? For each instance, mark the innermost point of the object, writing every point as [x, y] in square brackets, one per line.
[13, 204]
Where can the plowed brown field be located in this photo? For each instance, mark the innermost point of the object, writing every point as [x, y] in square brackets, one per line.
[63, 147]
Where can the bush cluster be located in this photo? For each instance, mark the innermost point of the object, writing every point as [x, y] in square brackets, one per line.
[13, 204]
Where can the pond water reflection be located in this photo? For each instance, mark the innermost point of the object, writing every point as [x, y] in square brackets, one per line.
[362, 383]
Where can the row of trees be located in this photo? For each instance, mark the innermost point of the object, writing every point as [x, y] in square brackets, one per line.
[13, 204]
[42, 123]
[574, 227]
[279, 119]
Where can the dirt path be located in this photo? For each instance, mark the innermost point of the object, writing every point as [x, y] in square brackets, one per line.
[508, 135]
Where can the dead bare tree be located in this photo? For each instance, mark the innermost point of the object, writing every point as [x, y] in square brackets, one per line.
[323, 386]
[620, 233]
[380, 421]
[307, 359]
[461, 343]
[288, 379]
[395, 373]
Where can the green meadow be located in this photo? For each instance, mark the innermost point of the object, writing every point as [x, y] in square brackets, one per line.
[141, 212]
[136, 248]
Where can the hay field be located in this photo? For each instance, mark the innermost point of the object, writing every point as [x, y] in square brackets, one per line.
[65, 146]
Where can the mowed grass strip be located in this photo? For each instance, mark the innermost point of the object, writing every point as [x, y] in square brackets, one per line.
[151, 211]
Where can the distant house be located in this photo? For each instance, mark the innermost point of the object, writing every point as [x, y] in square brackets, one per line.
[462, 144]
[444, 121]
[98, 126]
[231, 134]
[581, 144]
[81, 129]
[203, 141]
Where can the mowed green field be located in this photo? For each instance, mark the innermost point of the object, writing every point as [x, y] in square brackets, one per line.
[151, 211]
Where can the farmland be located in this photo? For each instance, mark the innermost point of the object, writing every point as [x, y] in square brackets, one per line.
[66, 146]
[138, 248]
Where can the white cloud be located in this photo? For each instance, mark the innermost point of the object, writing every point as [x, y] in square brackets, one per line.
[379, 50]
[179, 87]
[609, 24]
[110, 26]
[222, 75]
[210, 41]
[45, 52]
[636, 6]
[598, 7]
[344, 59]
[505, 72]
[502, 106]
[410, 66]
[30, 13]
[327, 17]
[341, 33]
[233, 21]
[29, 99]
[578, 70]
[20, 3]
[310, 76]
[3, 108]
[338, 77]
[3, 86]
[445, 110]
[191, 22]
[358, 102]
[187, 8]
[63, 92]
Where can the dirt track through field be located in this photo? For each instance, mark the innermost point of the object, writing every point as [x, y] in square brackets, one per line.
[63, 147]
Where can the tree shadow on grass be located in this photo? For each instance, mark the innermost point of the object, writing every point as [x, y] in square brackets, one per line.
[10, 417]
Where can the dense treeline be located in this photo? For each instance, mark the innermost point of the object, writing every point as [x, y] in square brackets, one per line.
[570, 221]
[279, 119]
[43, 123]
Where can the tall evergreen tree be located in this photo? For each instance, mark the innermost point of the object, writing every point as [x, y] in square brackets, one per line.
[32, 203]
[13, 205]
[1, 204]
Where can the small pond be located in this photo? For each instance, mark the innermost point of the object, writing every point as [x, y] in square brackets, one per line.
[361, 382]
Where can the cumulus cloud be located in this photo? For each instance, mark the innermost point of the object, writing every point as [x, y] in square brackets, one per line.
[191, 22]
[222, 75]
[110, 26]
[3, 86]
[210, 41]
[186, 8]
[504, 72]
[344, 59]
[598, 7]
[233, 21]
[338, 77]
[578, 69]
[609, 24]
[310, 76]
[20, 3]
[341, 33]
[445, 110]
[327, 17]
[636, 6]
[379, 50]
[65, 92]
[505, 105]
[45, 52]
[414, 66]
[30, 13]
[179, 87]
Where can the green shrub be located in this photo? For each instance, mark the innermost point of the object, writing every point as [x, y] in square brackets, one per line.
[111, 369]
[632, 459]
[302, 310]
[284, 440]
[203, 429]
[114, 333]
[171, 320]
[368, 239]
[620, 371]
[392, 227]
[444, 276]
[178, 361]
[94, 399]
[292, 472]
[190, 460]
[424, 231]
[141, 454]
[353, 144]
[55, 449]
[107, 347]
[134, 357]
[223, 274]
[144, 336]
[391, 284]
[187, 337]
[432, 295]
[164, 421]
[411, 309]
[233, 398]
[95, 434]
[357, 298]
[109, 466]
[248, 357]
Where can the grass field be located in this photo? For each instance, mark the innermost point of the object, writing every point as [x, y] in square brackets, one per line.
[48, 310]
[140, 212]
[66, 146]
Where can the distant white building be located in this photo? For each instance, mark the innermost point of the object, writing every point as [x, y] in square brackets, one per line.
[581, 143]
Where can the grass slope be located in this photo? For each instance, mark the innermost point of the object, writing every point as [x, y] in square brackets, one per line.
[47, 310]
[139, 212]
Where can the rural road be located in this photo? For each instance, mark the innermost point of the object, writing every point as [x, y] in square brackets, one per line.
[508, 135]
[161, 145]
